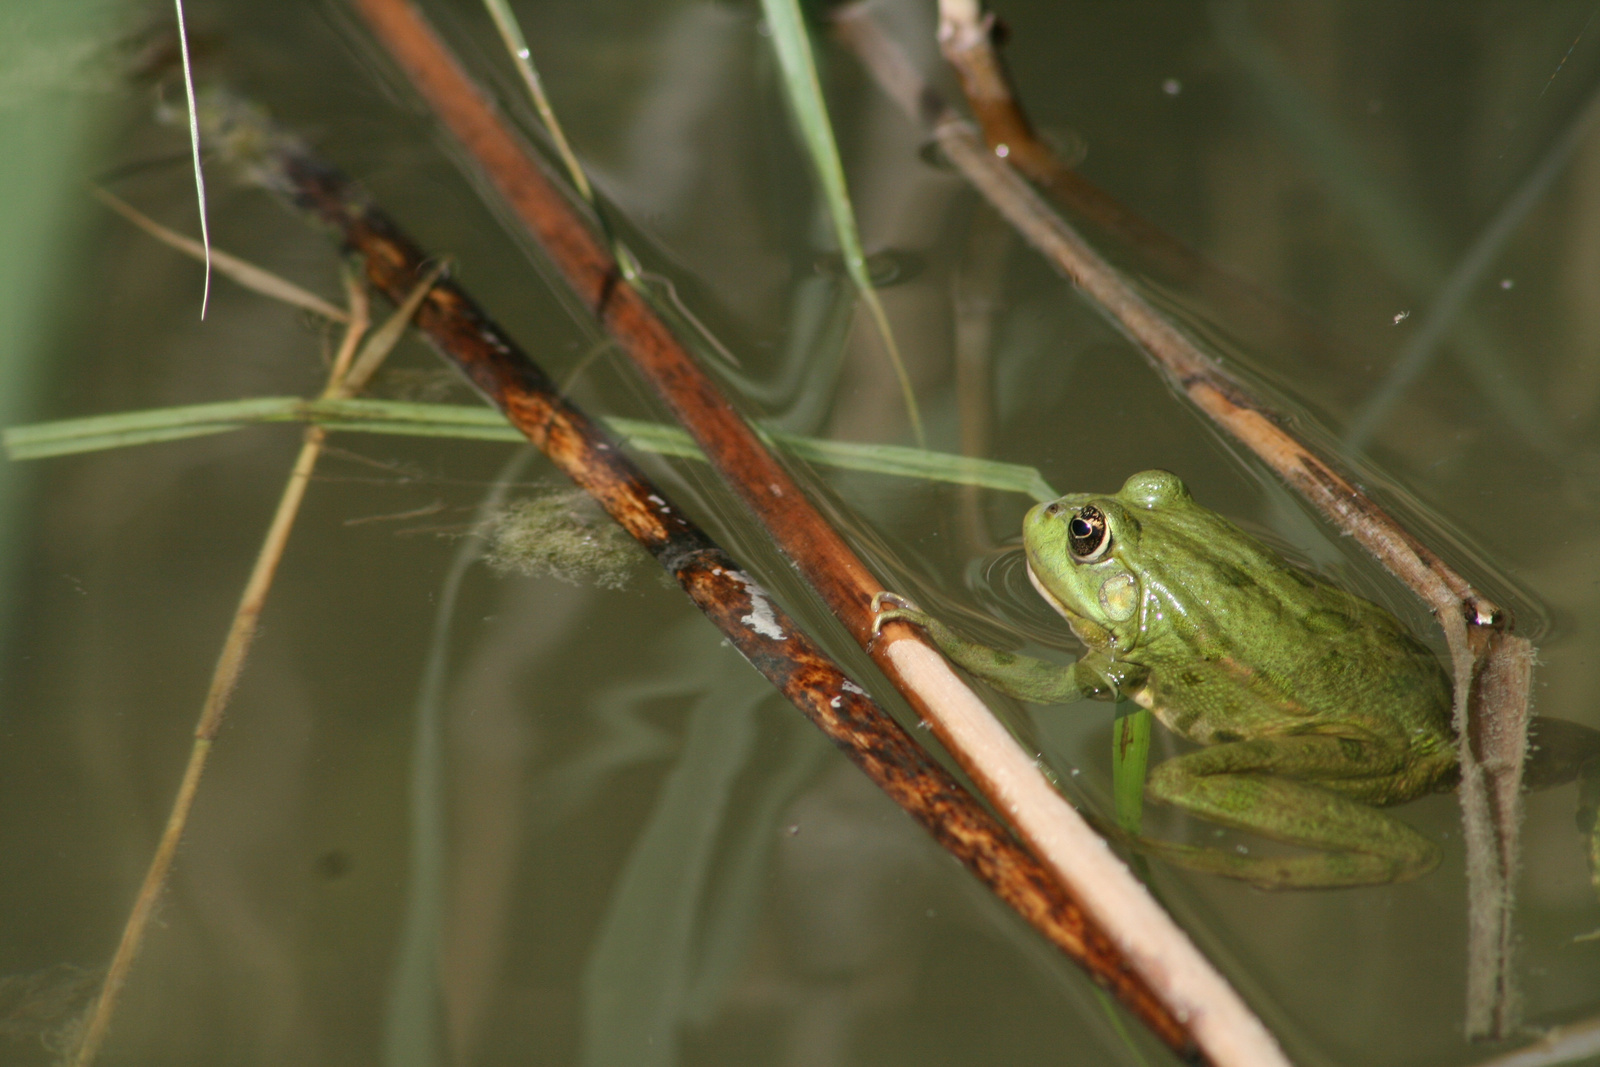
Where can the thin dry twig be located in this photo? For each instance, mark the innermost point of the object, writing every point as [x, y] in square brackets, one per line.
[235, 649]
[1490, 666]
[246, 274]
[382, 341]
[1152, 945]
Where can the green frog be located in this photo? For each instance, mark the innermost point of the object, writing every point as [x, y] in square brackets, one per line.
[1316, 709]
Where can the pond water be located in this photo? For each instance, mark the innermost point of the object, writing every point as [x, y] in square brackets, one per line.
[624, 847]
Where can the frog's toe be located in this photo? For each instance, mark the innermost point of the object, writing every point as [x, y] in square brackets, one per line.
[892, 607]
[894, 600]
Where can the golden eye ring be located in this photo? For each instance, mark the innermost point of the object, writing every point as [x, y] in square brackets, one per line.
[1088, 535]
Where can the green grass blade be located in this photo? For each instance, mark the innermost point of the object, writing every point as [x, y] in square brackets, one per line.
[142, 427]
[486, 424]
[793, 45]
[920, 463]
[102, 443]
[405, 413]
[1130, 751]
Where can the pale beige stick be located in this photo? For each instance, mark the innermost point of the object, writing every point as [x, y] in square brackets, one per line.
[342, 382]
[1226, 1030]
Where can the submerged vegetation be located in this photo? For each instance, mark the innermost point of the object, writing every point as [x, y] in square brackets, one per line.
[561, 534]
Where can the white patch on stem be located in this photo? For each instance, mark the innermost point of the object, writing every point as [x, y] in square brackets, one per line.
[761, 619]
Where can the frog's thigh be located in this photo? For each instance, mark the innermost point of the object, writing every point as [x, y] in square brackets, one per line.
[1257, 786]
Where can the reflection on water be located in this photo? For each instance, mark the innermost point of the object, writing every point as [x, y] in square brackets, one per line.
[645, 857]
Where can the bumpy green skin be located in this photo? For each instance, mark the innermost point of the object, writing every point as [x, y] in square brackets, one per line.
[1317, 707]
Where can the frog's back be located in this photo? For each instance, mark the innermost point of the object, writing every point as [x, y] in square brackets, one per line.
[1252, 645]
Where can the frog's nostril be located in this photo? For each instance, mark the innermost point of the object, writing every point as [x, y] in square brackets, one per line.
[1054, 509]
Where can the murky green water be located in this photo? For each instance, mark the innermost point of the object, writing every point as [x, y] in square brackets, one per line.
[647, 857]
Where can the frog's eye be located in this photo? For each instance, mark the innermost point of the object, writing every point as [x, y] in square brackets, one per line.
[1088, 537]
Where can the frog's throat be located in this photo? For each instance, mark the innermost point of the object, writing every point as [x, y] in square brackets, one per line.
[1088, 631]
[1049, 597]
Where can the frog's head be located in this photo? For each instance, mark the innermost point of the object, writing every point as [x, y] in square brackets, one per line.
[1084, 555]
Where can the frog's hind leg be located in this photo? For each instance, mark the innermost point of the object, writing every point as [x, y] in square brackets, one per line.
[1558, 752]
[1269, 787]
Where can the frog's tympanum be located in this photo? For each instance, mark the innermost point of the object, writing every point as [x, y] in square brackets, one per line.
[1316, 708]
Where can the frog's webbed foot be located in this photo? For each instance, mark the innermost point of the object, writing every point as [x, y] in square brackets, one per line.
[1559, 752]
[1589, 825]
[1321, 871]
[892, 607]
[1327, 870]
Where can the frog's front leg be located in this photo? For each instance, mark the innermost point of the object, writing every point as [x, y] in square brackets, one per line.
[1269, 786]
[1024, 677]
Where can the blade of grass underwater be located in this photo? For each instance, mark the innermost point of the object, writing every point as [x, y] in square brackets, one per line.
[793, 45]
[637, 979]
[739, 897]
[99, 432]
[659, 291]
[412, 1024]
[1394, 229]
